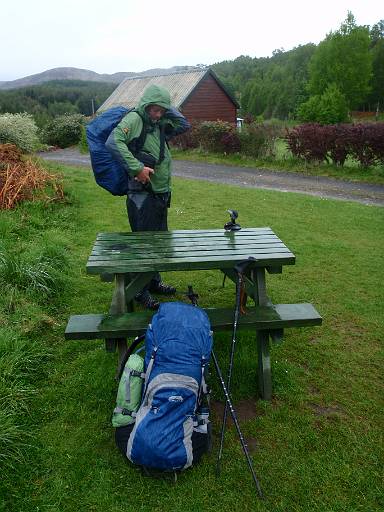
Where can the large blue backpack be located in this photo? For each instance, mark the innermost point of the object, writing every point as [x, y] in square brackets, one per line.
[108, 172]
[178, 346]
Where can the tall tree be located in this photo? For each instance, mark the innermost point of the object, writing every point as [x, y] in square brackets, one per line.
[343, 59]
[376, 98]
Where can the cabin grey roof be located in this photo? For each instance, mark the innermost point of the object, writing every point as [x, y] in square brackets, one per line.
[180, 85]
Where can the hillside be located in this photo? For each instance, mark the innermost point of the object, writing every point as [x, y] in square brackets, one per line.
[81, 74]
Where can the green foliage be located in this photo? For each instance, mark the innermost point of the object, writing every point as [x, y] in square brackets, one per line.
[327, 108]
[56, 98]
[352, 58]
[376, 97]
[272, 87]
[21, 130]
[63, 131]
[257, 139]
[83, 144]
[343, 59]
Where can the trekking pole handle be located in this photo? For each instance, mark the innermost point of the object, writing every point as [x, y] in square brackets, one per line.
[243, 265]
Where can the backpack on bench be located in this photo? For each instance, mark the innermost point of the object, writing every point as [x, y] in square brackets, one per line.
[171, 430]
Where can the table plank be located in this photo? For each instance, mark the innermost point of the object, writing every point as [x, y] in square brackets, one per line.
[186, 252]
[187, 255]
[175, 243]
[196, 233]
[197, 263]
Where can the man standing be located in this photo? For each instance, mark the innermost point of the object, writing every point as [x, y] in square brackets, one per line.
[148, 166]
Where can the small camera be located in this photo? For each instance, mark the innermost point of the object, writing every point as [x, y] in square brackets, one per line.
[232, 225]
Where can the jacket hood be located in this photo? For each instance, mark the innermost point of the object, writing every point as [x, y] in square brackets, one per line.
[154, 95]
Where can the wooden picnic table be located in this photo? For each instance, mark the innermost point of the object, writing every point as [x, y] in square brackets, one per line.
[132, 259]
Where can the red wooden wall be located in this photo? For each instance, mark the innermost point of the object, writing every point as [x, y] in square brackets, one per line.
[208, 102]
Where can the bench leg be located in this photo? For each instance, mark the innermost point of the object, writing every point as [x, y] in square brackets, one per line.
[118, 305]
[264, 365]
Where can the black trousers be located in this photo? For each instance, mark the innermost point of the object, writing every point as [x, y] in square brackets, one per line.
[148, 212]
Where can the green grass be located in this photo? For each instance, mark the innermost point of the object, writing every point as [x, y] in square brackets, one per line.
[284, 161]
[318, 446]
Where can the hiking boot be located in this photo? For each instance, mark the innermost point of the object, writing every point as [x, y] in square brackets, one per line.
[162, 288]
[148, 302]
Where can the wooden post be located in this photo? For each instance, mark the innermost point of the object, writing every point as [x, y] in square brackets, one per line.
[118, 305]
[261, 298]
[264, 365]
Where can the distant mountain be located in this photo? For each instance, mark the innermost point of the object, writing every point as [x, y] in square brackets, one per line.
[84, 74]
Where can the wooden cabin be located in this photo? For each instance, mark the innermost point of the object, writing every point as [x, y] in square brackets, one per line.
[198, 94]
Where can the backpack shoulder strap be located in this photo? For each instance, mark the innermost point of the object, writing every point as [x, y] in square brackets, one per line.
[162, 144]
[140, 141]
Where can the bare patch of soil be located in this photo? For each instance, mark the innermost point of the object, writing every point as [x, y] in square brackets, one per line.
[327, 411]
[245, 410]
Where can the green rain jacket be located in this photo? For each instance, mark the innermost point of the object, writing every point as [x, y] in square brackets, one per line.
[130, 128]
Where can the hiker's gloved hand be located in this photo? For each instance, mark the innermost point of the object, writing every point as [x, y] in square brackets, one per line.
[144, 175]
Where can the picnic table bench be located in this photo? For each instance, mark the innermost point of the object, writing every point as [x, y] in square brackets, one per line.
[132, 259]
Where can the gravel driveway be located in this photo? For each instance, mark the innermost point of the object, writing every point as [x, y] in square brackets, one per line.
[364, 193]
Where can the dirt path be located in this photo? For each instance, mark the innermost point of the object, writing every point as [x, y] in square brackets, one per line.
[365, 193]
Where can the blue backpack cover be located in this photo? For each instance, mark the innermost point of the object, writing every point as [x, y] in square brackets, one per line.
[178, 347]
[108, 172]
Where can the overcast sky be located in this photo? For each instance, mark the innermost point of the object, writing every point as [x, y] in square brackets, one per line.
[136, 35]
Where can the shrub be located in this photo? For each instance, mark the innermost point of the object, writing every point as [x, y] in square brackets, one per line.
[230, 142]
[339, 142]
[377, 141]
[218, 137]
[63, 131]
[83, 144]
[329, 108]
[189, 139]
[315, 142]
[258, 139]
[21, 130]
[366, 143]
[309, 141]
[249, 118]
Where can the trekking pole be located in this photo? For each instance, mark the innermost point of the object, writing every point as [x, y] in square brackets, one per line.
[240, 268]
[193, 298]
[228, 403]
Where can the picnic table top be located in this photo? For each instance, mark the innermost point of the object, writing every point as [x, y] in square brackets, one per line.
[186, 250]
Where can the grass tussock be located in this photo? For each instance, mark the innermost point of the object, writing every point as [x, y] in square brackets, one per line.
[38, 276]
[22, 362]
